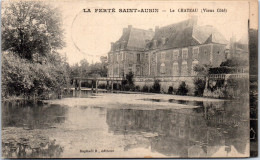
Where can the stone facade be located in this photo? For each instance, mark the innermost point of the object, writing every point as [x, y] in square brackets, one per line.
[168, 52]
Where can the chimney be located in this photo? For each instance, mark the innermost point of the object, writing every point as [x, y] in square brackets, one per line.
[156, 29]
[124, 30]
[130, 26]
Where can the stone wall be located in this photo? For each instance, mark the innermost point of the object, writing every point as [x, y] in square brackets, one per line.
[166, 82]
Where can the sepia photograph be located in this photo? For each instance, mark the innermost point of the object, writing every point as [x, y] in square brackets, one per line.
[129, 79]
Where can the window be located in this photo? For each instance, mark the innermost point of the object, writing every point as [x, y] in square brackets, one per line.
[130, 67]
[122, 56]
[117, 57]
[146, 55]
[162, 69]
[138, 58]
[111, 71]
[138, 71]
[184, 68]
[181, 133]
[175, 55]
[111, 57]
[163, 56]
[195, 52]
[131, 57]
[175, 69]
[184, 53]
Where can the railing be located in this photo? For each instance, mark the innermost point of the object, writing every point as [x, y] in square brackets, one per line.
[226, 76]
[100, 78]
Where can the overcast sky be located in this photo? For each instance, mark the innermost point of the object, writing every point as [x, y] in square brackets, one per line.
[93, 32]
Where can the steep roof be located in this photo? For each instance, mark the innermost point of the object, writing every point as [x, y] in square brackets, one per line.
[178, 35]
[187, 33]
[135, 39]
[138, 38]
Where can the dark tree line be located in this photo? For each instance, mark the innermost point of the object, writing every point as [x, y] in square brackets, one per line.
[31, 65]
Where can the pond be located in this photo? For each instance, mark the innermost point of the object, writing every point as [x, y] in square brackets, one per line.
[73, 129]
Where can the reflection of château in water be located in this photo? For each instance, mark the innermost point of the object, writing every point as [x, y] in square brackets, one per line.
[14, 114]
[186, 132]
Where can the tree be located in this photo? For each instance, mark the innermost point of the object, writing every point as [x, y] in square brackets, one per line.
[200, 80]
[234, 62]
[156, 88]
[30, 28]
[183, 89]
[130, 78]
[202, 70]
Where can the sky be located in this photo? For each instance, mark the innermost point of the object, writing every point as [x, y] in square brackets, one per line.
[89, 35]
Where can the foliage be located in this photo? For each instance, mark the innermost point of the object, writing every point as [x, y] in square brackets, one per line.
[234, 62]
[127, 87]
[84, 69]
[202, 70]
[21, 77]
[130, 78]
[128, 84]
[30, 28]
[183, 89]
[199, 86]
[223, 70]
[170, 90]
[31, 34]
[137, 88]
[156, 88]
[145, 88]
[102, 86]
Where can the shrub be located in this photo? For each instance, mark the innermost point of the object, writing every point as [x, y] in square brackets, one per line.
[145, 88]
[170, 90]
[129, 78]
[116, 86]
[102, 86]
[21, 77]
[127, 87]
[137, 88]
[199, 86]
[156, 86]
[128, 84]
[183, 89]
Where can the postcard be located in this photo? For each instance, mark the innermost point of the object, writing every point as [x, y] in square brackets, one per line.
[129, 79]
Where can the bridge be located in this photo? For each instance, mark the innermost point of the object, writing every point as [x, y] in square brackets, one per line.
[108, 80]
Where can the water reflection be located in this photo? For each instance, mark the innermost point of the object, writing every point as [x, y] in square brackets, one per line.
[31, 115]
[24, 148]
[41, 130]
[186, 132]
